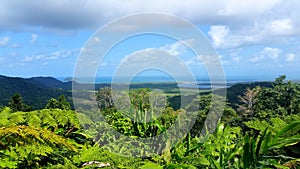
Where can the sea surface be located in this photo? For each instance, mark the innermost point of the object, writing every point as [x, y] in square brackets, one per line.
[200, 83]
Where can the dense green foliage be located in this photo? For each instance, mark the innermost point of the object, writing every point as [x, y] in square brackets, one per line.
[35, 91]
[61, 103]
[261, 131]
[16, 103]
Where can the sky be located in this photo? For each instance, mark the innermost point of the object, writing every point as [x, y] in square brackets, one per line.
[253, 39]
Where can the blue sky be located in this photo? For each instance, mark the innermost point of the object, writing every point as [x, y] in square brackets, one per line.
[253, 39]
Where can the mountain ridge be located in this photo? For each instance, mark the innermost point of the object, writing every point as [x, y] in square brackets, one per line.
[35, 91]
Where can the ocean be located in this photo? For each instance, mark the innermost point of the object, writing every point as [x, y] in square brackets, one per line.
[200, 83]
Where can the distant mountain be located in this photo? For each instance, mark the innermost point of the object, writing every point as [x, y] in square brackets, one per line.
[50, 82]
[35, 91]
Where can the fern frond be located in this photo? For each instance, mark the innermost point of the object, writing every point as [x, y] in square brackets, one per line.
[47, 119]
[32, 119]
[28, 134]
[5, 113]
[11, 119]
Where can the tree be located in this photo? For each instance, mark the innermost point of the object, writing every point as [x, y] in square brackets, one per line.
[52, 104]
[248, 101]
[61, 103]
[280, 100]
[16, 103]
[104, 99]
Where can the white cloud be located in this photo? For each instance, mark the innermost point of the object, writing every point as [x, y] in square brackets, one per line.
[256, 59]
[103, 64]
[277, 22]
[282, 26]
[236, 7]
[222, 37]
[96, 39]
[290, 57]
[15, 45]
[179, 47]
[201, 60]
[235, 54]
[267, 52]
[219, 35]
[206, 59]
[34, 38]
[51, 55]
[78, 14]
[271, 53]
[4, 41]
[175, 49]
[28, 58]
[234, 23]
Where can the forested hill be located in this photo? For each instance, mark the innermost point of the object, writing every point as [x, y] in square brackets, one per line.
[35, 91]
[239, 89]
[50, 82]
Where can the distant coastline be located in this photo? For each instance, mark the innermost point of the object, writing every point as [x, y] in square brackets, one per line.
[199, 83]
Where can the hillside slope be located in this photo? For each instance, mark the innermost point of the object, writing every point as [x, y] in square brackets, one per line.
[35, 91]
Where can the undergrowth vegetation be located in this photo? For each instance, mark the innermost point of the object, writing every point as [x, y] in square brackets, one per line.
[262, 132]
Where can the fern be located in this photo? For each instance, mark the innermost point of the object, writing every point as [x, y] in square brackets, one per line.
[28, 155]
[32, 119]
[11, 119]
[27, 146]
[96, 153]
[27, 134]
[48, 120]
[30, 140]
[8, 163]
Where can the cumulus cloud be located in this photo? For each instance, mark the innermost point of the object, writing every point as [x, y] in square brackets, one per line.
[4, 41]
[175, 49]
[219, 35]
[179, 47]
[275, 23]
[34, 38]
[282, 26]
[271, 53]
[222, 37]
[267, 52]
[234, 23]
[290, 57]
[277, 30]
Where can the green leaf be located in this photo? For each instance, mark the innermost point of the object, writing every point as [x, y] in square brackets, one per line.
[150, 165]
[272, 162]
[286, 129]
